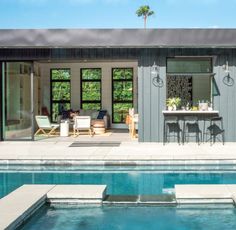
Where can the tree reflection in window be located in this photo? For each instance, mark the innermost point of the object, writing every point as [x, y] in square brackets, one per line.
[91, 88]
[122, 93]
[60, 92]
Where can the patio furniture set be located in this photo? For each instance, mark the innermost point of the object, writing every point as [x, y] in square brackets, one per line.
[79, 123]
[183, 125]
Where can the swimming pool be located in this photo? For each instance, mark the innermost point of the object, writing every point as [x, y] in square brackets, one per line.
[129, 218]
[119, 180]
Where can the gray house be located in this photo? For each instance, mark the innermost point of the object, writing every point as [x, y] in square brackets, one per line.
[42, 70]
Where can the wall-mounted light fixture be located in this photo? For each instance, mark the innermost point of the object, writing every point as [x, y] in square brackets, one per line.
[226, 67]
[156, 80]
[155, 70]
[227, 80]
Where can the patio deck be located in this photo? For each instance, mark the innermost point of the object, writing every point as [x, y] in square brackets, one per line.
[57, 150]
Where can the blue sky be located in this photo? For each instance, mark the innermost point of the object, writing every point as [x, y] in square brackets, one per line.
[116, 13]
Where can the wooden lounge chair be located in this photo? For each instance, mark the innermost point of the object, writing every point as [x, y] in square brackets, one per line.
[82, 123]
[45, 125]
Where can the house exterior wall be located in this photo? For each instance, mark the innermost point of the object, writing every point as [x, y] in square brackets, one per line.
[151, 99]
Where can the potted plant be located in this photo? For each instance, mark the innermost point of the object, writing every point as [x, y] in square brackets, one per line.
[173, 103]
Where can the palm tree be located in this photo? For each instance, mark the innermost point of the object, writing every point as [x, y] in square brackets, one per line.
[145, 12]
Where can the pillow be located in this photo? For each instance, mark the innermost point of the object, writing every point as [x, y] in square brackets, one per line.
[101, 114]
[65, 114]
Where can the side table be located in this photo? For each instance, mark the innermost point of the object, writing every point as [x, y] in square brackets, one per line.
[64, 129]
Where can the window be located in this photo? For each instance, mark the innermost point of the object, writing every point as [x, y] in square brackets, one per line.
[122, 93]
[91, 89]
[189, 65]
[190, 79]
[60, 92]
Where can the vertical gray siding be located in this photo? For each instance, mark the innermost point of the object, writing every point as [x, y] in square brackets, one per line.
[152, 99]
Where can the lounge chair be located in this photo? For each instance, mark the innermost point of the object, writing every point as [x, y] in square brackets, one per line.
[82, 123]
[45, 125]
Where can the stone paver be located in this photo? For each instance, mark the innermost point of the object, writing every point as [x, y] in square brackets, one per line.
[88, 192]
[15, 207]
[56, 150]
[202, 192]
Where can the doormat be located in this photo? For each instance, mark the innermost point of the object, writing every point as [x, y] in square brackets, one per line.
[95, 144]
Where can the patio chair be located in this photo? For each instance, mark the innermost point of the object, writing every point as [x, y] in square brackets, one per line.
[82, 123]
[171, 129]
[190, 128]
[215, 129]
[45, 125]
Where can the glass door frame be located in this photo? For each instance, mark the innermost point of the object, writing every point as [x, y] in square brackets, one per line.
[1, 100]
[3, 95]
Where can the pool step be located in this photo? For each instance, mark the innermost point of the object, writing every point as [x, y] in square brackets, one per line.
[205, 194]
[163, 199]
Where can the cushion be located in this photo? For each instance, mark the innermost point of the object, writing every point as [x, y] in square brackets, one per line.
[101, 114]
[98, 123]
[65, 114]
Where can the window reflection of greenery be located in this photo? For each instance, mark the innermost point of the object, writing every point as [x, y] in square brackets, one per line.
[122, 93]
[60, 91]
[91, 89]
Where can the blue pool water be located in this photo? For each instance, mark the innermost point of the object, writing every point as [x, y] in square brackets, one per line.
[125, 181]
[130, 218]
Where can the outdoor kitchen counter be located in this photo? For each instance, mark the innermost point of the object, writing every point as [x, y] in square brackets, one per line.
[190, 112]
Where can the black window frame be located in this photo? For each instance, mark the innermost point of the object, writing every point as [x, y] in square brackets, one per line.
[190, 59]
[112, 95]
[90, 80]
[58, 80]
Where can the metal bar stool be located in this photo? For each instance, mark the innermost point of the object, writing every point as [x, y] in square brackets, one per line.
[171, 129]
[191, 126]
[215, 129]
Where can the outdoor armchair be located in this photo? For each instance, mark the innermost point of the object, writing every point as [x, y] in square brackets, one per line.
[82, 123]
[45, 126]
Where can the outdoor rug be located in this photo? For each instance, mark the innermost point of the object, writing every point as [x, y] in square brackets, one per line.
[95, 144]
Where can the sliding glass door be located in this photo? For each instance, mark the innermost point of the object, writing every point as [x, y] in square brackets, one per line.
[1, 99]
[17, 116]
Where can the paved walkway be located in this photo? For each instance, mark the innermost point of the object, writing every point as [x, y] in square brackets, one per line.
[10, 152]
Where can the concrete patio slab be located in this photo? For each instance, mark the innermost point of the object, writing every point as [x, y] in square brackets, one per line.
[201, 191]
[72, 193]
[198, 194]
[155, 153]
[16, 207]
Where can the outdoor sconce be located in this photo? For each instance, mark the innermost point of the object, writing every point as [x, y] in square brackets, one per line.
[226, 68]
[156, 80]
[227, 80]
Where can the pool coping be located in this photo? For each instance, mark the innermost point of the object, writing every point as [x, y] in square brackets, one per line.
[21, 204]
[128, 154]
[118, 162]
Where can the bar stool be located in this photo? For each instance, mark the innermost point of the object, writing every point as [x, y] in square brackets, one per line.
[171, 129]
[215, 129]
[191, 126]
